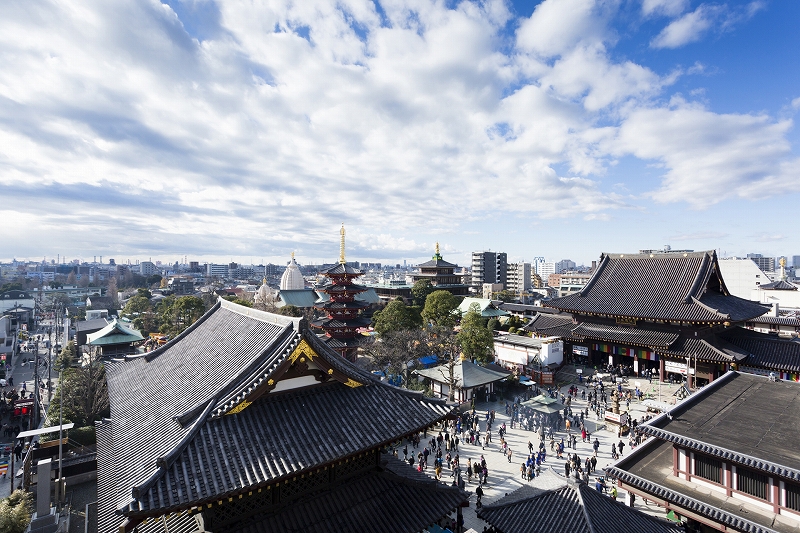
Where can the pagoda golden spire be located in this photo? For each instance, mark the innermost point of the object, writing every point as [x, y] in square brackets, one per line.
[341, 245]
[437, 247]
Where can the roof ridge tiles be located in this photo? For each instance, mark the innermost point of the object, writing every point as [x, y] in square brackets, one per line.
[709, 308]
[149, 356]
[257, 371]
[702, 275]
[587, 517]
[163, 463]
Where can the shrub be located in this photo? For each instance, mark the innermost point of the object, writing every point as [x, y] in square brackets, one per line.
[15, 512]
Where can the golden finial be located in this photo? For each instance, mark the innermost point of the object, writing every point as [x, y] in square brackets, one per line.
[437, 247]
[341, 246]
[782, 262]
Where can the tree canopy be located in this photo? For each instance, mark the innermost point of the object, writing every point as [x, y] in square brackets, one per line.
[177, 314]
[439, 309]
[477, 341]
[396, 316]
[506, 296]
[15, 512]
[420, 291]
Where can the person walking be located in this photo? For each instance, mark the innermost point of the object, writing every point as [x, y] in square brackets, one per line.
[509, 455]
[620, 446]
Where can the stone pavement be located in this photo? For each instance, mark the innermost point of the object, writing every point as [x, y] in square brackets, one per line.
[504, 476]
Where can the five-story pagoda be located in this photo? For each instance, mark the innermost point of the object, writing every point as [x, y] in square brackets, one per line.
[341, 308]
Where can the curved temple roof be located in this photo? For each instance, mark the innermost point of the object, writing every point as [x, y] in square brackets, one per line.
[686, 287]
[240, 400]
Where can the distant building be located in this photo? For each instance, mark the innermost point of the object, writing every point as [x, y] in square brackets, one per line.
[767, 264]
[147, 268]
[519, 277]
[565, 265]
[545, 269]
[216, 271]
[572, 282]
[489, 267]
[441, 275]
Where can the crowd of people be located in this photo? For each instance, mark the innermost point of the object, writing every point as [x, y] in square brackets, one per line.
[557, 433]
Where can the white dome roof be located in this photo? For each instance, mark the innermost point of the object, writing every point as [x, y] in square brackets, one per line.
[292, 278]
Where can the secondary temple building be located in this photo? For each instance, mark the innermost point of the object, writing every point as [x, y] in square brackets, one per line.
[669, 312]
[250, 422]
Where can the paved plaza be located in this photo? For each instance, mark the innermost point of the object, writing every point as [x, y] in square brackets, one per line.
[504, 476]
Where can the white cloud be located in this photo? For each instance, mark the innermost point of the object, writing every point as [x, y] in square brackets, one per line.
[693, 26]
[709, 157]
[688, 28]
[556, 26]
[295, 117]
[670, 8]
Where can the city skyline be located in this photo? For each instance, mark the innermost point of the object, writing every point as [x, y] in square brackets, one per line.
[563, 128]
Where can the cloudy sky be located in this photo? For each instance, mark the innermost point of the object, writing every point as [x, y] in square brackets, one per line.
[244, 130]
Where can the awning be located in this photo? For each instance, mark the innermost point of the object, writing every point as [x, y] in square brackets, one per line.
[42, 431]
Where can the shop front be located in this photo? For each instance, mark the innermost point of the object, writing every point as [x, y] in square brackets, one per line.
[635, 360]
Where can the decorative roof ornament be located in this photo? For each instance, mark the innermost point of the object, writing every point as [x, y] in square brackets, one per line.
[437, 256]
[341, 246]
[782, 262]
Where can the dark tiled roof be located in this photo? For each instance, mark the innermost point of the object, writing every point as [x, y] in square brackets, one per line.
[96, 324]
[780, 285]
[395, 500]
[334, 323]
[551, 325]
[467, 374]
[192, 420]
[339, 289]
[506, 306]
[340, 268]
[678, 287]
[569, 508]
[436, 263]
[281, 437]
[766, 351]
[782, 320]
[720, 511]
[338, 344]
[742, 418]
[711, 348]
[626, 335]
[102, 302]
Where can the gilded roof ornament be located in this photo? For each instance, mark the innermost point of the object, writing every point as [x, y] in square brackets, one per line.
[341, 245]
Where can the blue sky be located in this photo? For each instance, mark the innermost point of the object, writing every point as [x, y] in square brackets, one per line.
[244, 131]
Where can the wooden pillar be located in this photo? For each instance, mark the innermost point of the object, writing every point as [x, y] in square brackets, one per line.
[661, 369]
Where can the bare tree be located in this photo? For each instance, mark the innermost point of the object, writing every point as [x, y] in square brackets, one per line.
[397, 351]
[446, 344]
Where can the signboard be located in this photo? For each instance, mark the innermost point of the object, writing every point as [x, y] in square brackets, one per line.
[27, 402]
[626, 321]
[579, 371]
[677, 368]
[581, 350]
[617, 418]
